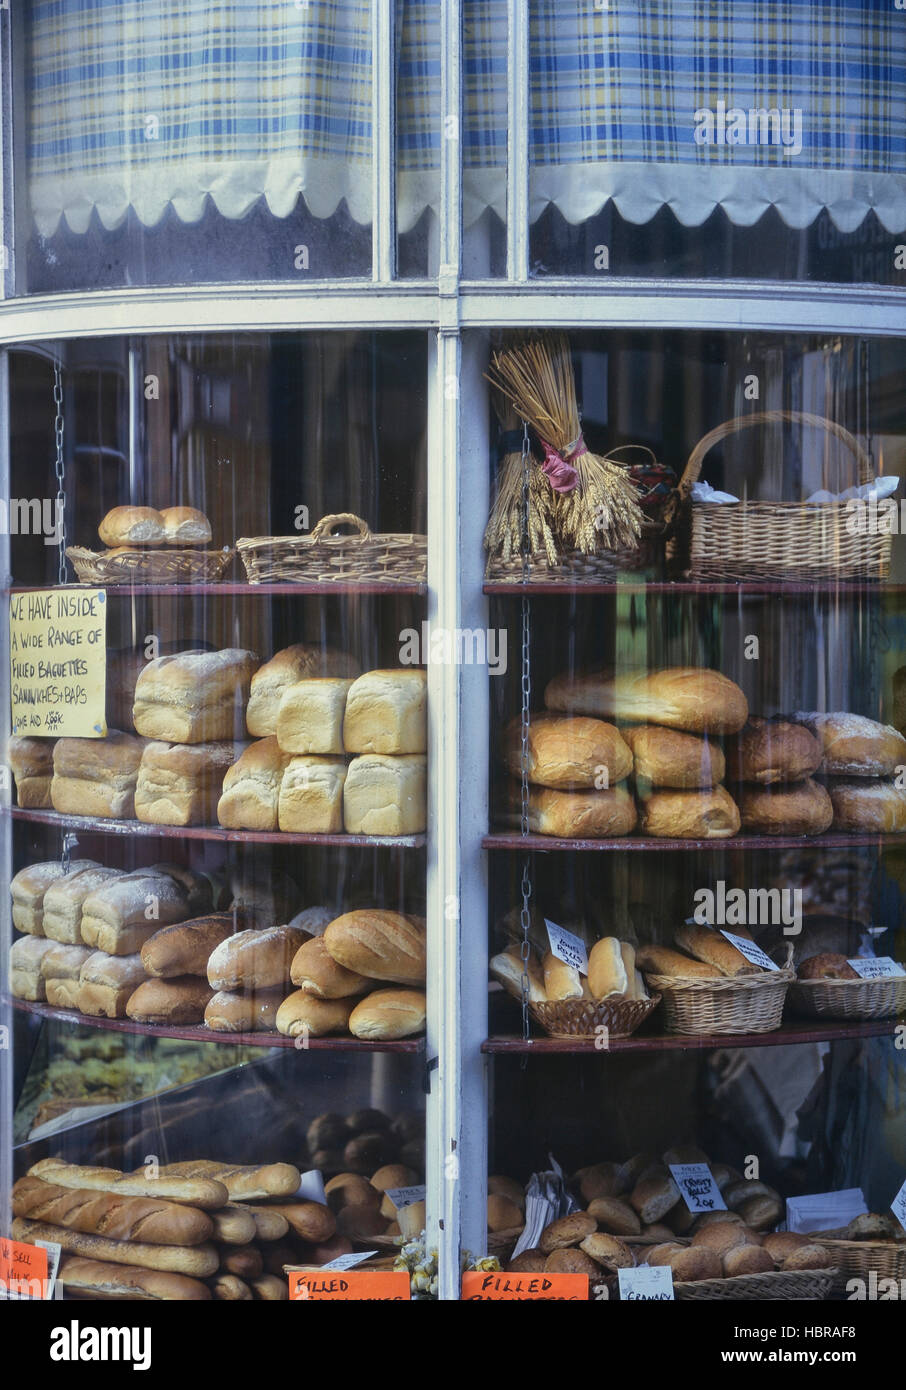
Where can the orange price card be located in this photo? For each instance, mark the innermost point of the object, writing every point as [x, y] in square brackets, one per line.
[23, 1269]
[350, 1285]
[563, 1288]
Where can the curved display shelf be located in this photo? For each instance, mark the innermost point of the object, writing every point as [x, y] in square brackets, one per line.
[513, 840]
[229, 588]
[855, 588]
[211, 832]
[791, 1032]
[200, 1034]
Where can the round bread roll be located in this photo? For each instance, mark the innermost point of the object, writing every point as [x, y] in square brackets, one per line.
[654, 1194]
[827, 966]
[780, 1244]
[302, 1015]
[772, 750]
[567, 1230]
[503, 1215]
[802, 808]
[185, 526]
[131, 526]
[565, 752]
[721, 1236]
[315, 971]
[498, 1185]
[761, 1213]
[713, 1218]
[350, 1190]
[661, 1254]
[531, 1261]
[399, 1175]
[747, 1259]
[738, 1192]
[566, 1261]
[809, 1257]
[694, 1263]
[607, 1251]
[614, 1216]
[658, 1232]
[723, 1175]
[600, 1180]
[365, 1152]
[854, 746]
[671, 758]
[871, 806]
[681, 697]
[700, 815]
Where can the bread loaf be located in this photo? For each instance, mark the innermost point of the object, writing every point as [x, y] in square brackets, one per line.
[229, 1288]
[129, 526]
[122, 914]
[180, 1000]
[707, 815]
[181, 783]
[31, 761]
[195, 696]
[566, 1231]
[660, 960]
[185, 526]
[315, 971]
[64, 962]
[101, 1279]
[691, 1265]
[681, 697]
[773, 750]
[96, 776]
[827, 966]
[244, 1182]
[272, 680]
[572, 1261]
[589, 815]
[800, 808]
[105, 1214]
[614, 1216]
[312, 1221]
[25, 960]
[268, 1225]
[708, 945]
[310, 716]
[251, 788]
[386, 795]
[386, 712]
[304, 1015]
[855, 747]
[389, 1013]
[106, 983]
[565, 752]
[379, 945]
[197, 1260]
[28, 888]
[746, 1259]
[780, 1244]
[507, 969]
[877, 807]
[65, 898]
[654, 1194]
[255, 959]
[672, 758]
[61, 992]
[202, 1192]
[561, 980]
[310, 799]
[607, 973]
[254, 1012]
[184, 947]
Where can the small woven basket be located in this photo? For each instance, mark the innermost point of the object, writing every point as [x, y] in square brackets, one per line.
[859, 1258]
[325, 557]
[582, 1018]
[741, 1004]
[149, 566]
[855, 999]
[775, 540]
[799, 1284]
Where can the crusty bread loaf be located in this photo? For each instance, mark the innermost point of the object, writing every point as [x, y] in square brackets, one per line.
[681, 697]
[579, 815]
[315, 971]
[195, 696]
[25, 960]
[106, 984]
[285, 669]
[64, 962]
[311, 1221]
[96, 776]
[203, 1192]
[255, 959]
[706, 944]
[184, 947]
[185, 526]
[65, 898]
[310, 717]
[561, 980]
[243, 1181]
[386, 712]
[31, 761]
[827, 966]
[379, 945]
[123, 913]
[797, 808]
[128, 526]
[875, 806]
[105, 1214]
[197, 1260]
[304, 1015]
[772, 750]
[180, 1000]
[101, 1279]
[181, 783]
[661, 960]
[388, 1014]
[700, 815]
[673, 758]
[853, 746]
[506, 967]
[691, 1264]
[654, 1194]
[607, 973]
[567, 1230]
[252, 1012]
[251, 787]
[310, 800]
[567, 752]
[386, 794]
[615, 1216]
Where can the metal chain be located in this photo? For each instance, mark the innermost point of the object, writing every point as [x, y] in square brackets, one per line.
[525, 915]
[60, 468]
[69, 843]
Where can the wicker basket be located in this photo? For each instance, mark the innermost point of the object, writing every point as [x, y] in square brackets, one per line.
[741, 1004]
[858, 1258]
[856, 999]
[149, 566]
[581, 1018]
[799, 1284]
[324, 557]
[574, 567]
[775, 540]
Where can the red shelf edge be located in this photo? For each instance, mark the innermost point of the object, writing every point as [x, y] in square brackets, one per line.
[790, 1034]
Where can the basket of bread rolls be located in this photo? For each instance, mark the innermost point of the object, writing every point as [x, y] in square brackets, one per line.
[827, 986]
[567, 1004]
[147, 546]
[709, 986]
[873, 1241]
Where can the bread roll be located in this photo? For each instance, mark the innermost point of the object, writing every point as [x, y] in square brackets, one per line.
[106, 984]
[780, 1244]
[315, 971]
[251, 788]
[254, 1012]
[25, 959]
[503, 1215]
[286, 669]
[747, 1259]
[196, 1192]
[386, 712]
[572, 1261]
[180, 1000]
[654, 1194]
[533, 1261]
[767, 751]
[827, 966]
[721, 1236]
[235, 1225]
[855, 747]
[310, 715]
[708, 815]
[303, 1015]
[761, 1213]
[600, 1180]
[310, 799]
[574, 815]
[197, 1260]
[607, 973]
[614, 1216]
[28, 888]
[255, 959]
[31, 761]
[681, 697]
[671, 758]
[506, 968]
[561, 981]
[389, 1013]
[245, 1262]
[64, 900]
[309, 1220]
[96, 776]
[269, 1225]
[567, 1230]
[800, 808]
[379, 945]
[708, 945]
[878, 807]
[565, 752]
[184, 947]
[116, 1217]
[809, 1257]
[692, 1264]
[101, 1279]
[353, 1190]
[185, 526]
[195, 696]
[609, 1252]
[269, 1289]
[120, 916]
[386, 795]
[229, 1288]
[181, 783]
[391, 1175]
[130, 526]
[660, 960]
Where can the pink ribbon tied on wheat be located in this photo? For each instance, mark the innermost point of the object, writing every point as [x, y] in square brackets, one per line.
[557, 467]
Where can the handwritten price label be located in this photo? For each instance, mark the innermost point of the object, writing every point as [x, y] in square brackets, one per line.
[567, 947]
[349, 1261]
[878, 968]
[405, 1196]
[751, 952]
[354, 1286]
[898, 1206]
[28, 1271]
[648, 1283]
[699, 1190]
[524, 1288]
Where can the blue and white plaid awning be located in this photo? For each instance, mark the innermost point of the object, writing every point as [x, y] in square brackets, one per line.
[148, 104]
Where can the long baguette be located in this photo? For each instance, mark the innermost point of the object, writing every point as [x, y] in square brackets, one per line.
[117, 1218]
[197, 1260]
[269, 1225]
[103, 1280]
[203, 1192]
[243, 1182]
[234, 1225]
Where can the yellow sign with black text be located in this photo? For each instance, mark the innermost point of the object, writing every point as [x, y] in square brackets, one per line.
[58, 663]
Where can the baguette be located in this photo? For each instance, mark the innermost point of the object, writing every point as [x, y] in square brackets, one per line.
[104, 1280]
[269, 1224]
[234, 1225]
[242, 1182]
[184, 947]
[310, 1220]
[269, 1288]
[661, 960]
[201, 1192]
[706, 944]
[228, 1288]
[243, 1260]
[197, 1260]
[103, 1214]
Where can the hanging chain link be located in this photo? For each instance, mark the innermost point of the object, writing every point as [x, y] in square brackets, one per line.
[525, 917]
[70, 842]
[60, 469]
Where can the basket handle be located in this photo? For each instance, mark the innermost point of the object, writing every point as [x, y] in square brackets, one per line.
[328, 525]
[767, 417]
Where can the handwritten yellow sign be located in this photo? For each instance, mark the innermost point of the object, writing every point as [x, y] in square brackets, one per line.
[58, 663]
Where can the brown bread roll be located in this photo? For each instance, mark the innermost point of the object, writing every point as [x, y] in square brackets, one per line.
[720, 1237]
[379, 945]
[289, 666]
[738, 1192]
[670, 758]
[117, 1218]
[315, 971]
[693, 1264]
[388, 1014]
[302, 1015]
[654, 1194]
[503, 1215]
[747, 1259]
[531, 1261]
[701, 815]
[255, 1012]
[201, 1192]
[255, 959]
[352, 1190]
[130, 526]
[808, 1257]
[184, 948]
[571, 1262]
[767, 751]
[614, 1216]
[662, 1254]
[197, 1260]
[715, 1218]
[565, 752]
[600, 1180]
[827, 966]
[101, 1279]
[780, 1244]
[387, 712]
[709, 946]
[244, 1261]
[269, 1289]
[680, 1219]
[567, 1230]
[761, 1213]
[607, 970]
[854, 746]
[681, 697]
[574, 815]
[659, 1232]
[229, 1288]
[868, 806]
[660, 960]
[182, 1000]
[31, 761]
[800, 808]
[235, 1225]
[608, 1251]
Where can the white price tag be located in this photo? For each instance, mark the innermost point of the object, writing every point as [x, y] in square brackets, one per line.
[405, 1196]
[349, 1261]
[751, 952]
[567, 947]
[877, 968]
[699, 1190]
[898, 1206]
[311, 1188]
[653, 1283]
[53, 1263]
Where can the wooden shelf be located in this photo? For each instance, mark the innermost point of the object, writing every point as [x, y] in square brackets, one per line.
[802, 1031]
[101, 826]
[513, 840]
[509, 588]
[228, 588]
[200, 1034]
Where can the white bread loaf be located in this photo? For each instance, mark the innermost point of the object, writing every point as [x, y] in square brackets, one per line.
[251, 788]
[107, 982]
[379, 945]
[253, 1011]
[64, 899]
[581, 815]
[195, 696]
[25, 958]
[121, 915]
[388, 1014]
[387, 712]
[31, 761]
[310, 717]
[311, 795]
[386, 795]
[287, 668]
[694, 815]
[181, 783]
[681, 697]
[97, 776]
[673, 758]
[29, 888]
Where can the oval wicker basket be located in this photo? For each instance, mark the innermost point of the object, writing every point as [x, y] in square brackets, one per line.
[738, 1004]
[149, 566]
[324, 557]
[582, 1018]
[799, 1284]
[859, 1258]
[856, 999]
[774, 540]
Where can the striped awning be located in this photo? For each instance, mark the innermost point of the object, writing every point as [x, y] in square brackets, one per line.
[152, 104]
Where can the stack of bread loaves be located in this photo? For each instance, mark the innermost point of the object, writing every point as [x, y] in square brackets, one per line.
[862, 762]
[774, 761]
[612, 974]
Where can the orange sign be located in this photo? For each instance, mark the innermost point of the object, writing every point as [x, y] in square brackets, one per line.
[350, 1285]
[23, 1268]
[565, 1288]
